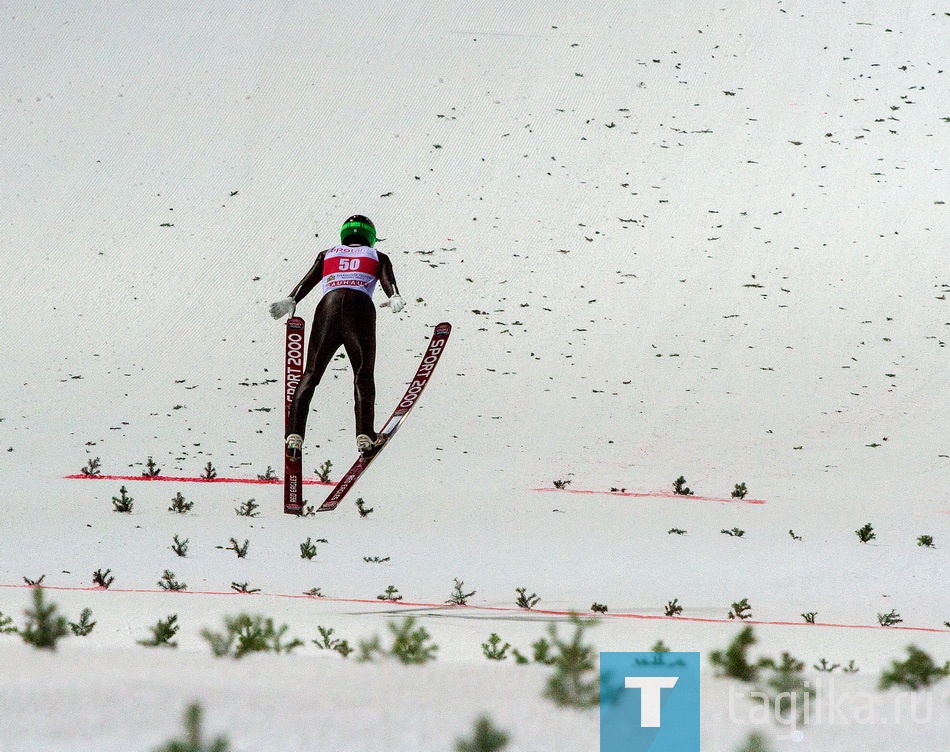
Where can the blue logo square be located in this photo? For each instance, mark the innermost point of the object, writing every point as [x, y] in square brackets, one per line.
[649, 702]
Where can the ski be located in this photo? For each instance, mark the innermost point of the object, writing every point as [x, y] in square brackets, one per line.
[293, 369]
[429, 361]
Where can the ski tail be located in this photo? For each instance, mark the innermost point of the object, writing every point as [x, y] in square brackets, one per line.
[430, 359]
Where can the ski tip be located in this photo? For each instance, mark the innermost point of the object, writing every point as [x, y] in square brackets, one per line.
[443, 329]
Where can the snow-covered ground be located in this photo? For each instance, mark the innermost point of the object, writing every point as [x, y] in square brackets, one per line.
[697, 239]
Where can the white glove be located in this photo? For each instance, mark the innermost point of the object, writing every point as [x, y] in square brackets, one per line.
[282, 307]
[396, 303]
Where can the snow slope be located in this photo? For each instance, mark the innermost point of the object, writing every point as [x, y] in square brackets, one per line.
[672, 240]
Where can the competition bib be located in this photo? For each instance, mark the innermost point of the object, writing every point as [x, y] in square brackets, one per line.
[355, 267]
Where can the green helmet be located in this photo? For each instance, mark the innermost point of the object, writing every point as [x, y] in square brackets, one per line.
[360, 227]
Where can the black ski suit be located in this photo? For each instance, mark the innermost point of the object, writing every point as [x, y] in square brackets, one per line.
[344, 317]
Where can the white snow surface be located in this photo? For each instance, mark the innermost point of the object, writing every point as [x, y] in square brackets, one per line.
[673, 238]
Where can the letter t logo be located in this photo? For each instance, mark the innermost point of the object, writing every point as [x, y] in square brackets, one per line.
[650, 687]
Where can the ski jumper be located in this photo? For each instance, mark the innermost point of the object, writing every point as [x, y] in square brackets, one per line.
[345, 316]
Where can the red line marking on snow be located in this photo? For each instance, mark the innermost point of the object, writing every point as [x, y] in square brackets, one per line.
[178, 479]
[499, 609]
[652, 495]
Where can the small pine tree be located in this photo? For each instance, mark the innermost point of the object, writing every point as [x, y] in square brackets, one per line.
[927, 541]
[244, 587]
[493, 649]
[307, 549]
[526, 601]
[740, 610]
[151, 469]
[541, 652]
[362, 508]
[733, 661]
[740, 491]
[411, 646]
[44, 626]
[370, 650]
[239, 548]
[162, 633]
[180, 547]
[786, 684]
[889, 619]
[85, 624]
[122, 502]
[485, 738]
[390, 594]
[91, 470]
[179, 505]
[575, 681]
[209, 472]
[755, 743]
[193, 736]
[6, 624]
[459, 597]
[680, 488]
[598, 608]
[102, 579]
[323, 472]
[269, 475]
[245, 634]
[673, 608]
[248, 509]
[328, 642]
[866, 533]
[168, 582]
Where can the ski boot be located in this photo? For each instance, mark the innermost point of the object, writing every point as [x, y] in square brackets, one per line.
[294, 445]
[369, 446]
